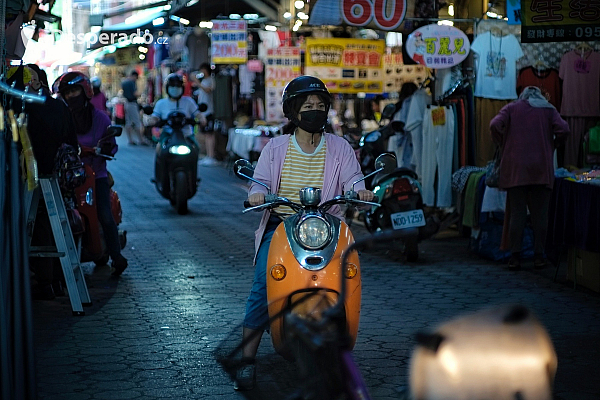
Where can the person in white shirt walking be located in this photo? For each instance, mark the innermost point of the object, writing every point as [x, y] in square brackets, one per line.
[206, 84]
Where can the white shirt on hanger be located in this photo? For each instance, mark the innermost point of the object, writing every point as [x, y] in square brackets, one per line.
[414, 124]
[496, 66]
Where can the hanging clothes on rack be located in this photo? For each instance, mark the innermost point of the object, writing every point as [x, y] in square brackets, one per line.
[495, 84]
[437, 155]
[580, 106]
[546, 79]
[414, 124]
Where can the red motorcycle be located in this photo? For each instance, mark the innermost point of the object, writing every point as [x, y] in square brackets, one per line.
[92, 246]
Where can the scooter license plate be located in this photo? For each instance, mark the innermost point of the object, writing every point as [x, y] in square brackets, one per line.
[408, 219]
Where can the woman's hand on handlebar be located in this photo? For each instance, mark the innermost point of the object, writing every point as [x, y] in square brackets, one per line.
[365, 195]
[256, 199]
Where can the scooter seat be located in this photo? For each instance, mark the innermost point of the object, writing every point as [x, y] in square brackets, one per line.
[398, 172]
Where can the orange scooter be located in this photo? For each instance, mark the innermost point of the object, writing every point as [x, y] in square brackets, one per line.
[92, 246]
[304, 267]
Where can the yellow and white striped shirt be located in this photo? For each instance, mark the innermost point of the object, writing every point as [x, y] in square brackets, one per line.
[300, 170]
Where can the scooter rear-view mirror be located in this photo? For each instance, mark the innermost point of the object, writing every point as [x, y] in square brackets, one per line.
[397, 126]
[386, 163]
[244, 169]
[114, 131]
[388, 111]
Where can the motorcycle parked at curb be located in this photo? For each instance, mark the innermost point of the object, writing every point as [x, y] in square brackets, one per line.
[304, 262]
[399, 192]
[91, 243]
[176, 162]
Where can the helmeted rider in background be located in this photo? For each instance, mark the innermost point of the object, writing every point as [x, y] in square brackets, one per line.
[90, 126]
[98, 100]
[176, 101]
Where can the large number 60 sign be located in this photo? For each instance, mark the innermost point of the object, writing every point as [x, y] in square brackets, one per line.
[362, 12]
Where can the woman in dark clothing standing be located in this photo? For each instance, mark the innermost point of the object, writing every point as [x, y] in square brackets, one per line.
[527, 130]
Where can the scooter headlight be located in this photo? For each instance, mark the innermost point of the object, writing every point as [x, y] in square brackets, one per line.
[313, 233]
[181, 150]
[89, 197]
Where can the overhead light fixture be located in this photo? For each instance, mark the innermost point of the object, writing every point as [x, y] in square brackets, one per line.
[205, 24]
[158, 21]
[299, 4]
[184, 21]
[451, 10]
[167, 7]
[297, 25]
[235, 16]
[446, 22]
[142, 49]
[142, 56]
[287, 15]
[251, 16]
[271, 28]
[191, 2]
[302, 15]
[111, 49]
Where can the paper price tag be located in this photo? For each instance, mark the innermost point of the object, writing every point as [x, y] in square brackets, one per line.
[438, 116]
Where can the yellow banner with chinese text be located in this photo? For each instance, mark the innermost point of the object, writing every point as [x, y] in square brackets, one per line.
[346, 65]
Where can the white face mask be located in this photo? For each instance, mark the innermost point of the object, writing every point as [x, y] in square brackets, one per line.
[175, 92]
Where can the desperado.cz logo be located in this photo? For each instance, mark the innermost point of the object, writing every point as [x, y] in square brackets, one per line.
[107, 38]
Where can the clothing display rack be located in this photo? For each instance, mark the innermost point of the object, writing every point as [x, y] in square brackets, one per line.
[65, 249]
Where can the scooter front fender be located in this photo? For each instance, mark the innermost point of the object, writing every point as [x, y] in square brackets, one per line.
[282, 294]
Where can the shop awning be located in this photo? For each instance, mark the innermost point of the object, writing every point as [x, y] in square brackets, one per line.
[141, 22]
[206, 10]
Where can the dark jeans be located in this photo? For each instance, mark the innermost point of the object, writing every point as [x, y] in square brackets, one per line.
[537, 199]
[109, 227]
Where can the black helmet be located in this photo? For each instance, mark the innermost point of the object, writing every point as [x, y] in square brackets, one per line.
[303, 86]
[174, 80]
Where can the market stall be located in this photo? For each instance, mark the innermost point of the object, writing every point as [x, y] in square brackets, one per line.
[574, 227]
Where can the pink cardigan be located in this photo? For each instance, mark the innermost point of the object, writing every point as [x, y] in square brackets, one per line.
[341, 170]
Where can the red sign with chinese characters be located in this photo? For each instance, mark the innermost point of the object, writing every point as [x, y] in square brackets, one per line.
[559, 21]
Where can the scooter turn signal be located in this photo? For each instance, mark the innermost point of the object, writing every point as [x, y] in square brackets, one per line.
[278, 272]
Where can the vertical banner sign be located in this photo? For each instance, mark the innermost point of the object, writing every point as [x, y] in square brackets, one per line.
[229, 45]
[559, 21]
[438, 46]
[513, 12]
[346, 65]
[282, 65]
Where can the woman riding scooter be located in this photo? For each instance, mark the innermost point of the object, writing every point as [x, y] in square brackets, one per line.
[90, 125]
[303, 156]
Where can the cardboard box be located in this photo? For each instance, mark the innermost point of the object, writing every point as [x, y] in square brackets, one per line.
[584, 268]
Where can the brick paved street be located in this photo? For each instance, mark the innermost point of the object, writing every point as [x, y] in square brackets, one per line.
[151, 334]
